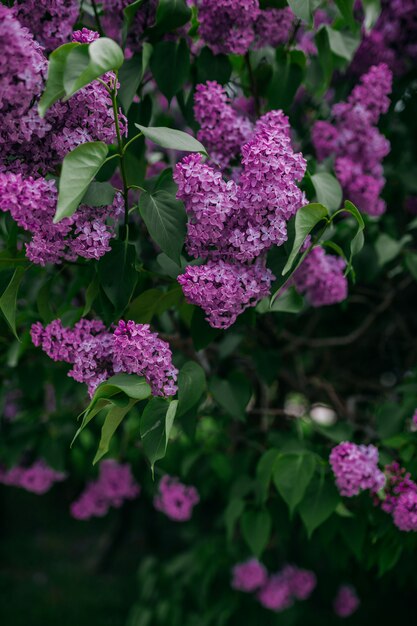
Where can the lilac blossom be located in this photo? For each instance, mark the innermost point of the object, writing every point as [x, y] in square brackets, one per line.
[273, 27]
[249, 576]
[356, 468]
[222, 130]
[346, 601]
[302, 582]
[276, 593]
[32, 204]
[114, 485]
[227, 26]
[113, 19]
[51, 21]
[176, 500]
[355, 142]
[321, 278]
[224, 290]
[37, 478]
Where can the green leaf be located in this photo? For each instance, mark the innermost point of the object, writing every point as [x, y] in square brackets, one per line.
[342, 44]
[318, 504]
[78, 170]
[155, 427]
[129, 13]
[328, 190]
[289, 71]
[289, 301]
[256, 530]
[411, 263]
[346, 9]
[91, 294]
[112, 421]
[302, 9]
[171, 14]
[191, 386]
[54, 89]
[117, 273]
[233, 512]
[170, 65]
[264, 471]
[306, 219]
[87, 62]
[172, 139]
[387, 248]
[292, 475]
[99, 194]
[372, 10]
[8, 299]
[213, 67]
[325, 58]
[130, 76]
[357, 242]
[153, 302]
[232, 395]
[132, 386]
[165, 220]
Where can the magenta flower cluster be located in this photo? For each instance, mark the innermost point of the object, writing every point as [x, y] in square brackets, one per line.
[223, 130]
[355, 142]
[392, 40]
[346, 601]
[114, 485]
[278, 591]
[175, 499]
[321, 278]
[97, 354]
[400, 498]
[233, 224]
[32, 204]
[31, 145]
[233, 26]
[37, 478]
[356, 468]
[51, 21]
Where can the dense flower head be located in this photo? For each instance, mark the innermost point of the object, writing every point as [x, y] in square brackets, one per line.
[273, 27]
[137, 350]
[321, 278]
[51, 21]
[356, 468]
[32, 204]
[227, 26]
[85, 35]
[114, 485]
[302, 582]
[400, 497]
[224, 290]
[37, 478]
[392, 39]
[249, 576]
[175, 499]
[276, 593]
[222, 130]
[405, 512]
[354, 141]
[96, 354]
[23, 69]
[113, 18]
[346, 601]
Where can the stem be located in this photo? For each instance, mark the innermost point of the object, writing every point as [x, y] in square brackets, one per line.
[97, 18]
[136, 187]
[131, 141]
[121, 152]
[253, 85]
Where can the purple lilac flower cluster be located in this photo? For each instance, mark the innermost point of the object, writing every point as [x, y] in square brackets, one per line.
[97, 354]
[276, 592]
[355, 142]
[51, 21]
[356, 468]
[222, 130]
[400, 498]
[176, 500]
[37, 478]
[29, 144]
[346, 601]
[233, 224]
[392, 40]
[321, 278]
[32, 204]
[233, 26]
[115, 485]
[113, 18]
